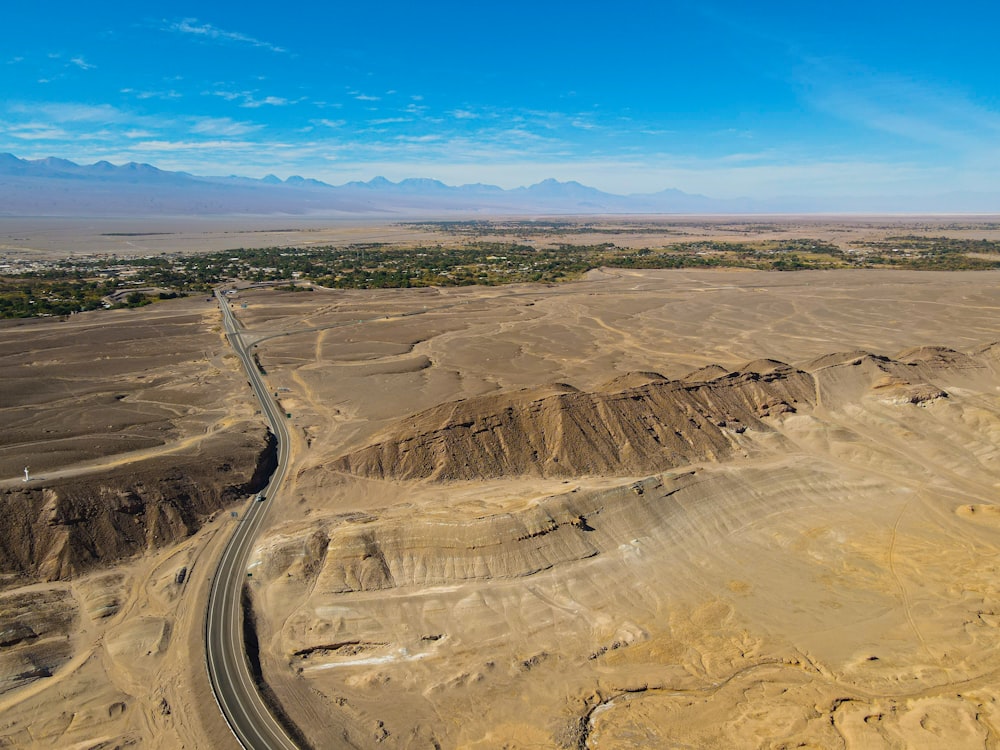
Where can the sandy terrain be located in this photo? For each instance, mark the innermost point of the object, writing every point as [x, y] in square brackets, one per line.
[48, 238]
[137, 425]
[672, 509]
[820, 574]
[113, 383]
[27, 239]
[135, 674]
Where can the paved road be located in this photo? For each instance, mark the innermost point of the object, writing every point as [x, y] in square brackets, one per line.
[235, 691]
[228, 668]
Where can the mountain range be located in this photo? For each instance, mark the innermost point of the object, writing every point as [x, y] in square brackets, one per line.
[59, 187]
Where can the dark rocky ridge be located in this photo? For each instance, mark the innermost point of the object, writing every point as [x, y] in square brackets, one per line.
[559, 431]
[629, 429]
[53, 530]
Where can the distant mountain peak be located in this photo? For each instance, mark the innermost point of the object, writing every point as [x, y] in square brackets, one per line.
[55, 186]
[423, 182]
[57, 163]
[300, 181]
[572, 190]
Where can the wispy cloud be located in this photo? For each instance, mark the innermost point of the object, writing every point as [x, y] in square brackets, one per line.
[206, 31]
[175, 146]
[35, 131]
[390, 120]
[267, 101]
[69, 112]
[428, 138]
[165, 95]
[81, 63]
[222, 126]
[903, 107]
[229, 96]
[249, 100]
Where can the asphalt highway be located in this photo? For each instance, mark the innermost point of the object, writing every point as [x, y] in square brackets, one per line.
[228, 668]
[241, 703]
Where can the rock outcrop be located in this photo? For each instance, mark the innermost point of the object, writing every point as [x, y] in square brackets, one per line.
[54, 529]
[558, 431]
[643, 423]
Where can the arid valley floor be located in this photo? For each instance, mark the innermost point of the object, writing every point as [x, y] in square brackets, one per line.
[682, 508]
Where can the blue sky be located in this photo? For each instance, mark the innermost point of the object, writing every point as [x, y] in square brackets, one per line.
[721, 98]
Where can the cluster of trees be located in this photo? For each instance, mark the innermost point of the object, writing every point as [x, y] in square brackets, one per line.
[931, 253]
[47, 294]
[79, 285]
[33, 297]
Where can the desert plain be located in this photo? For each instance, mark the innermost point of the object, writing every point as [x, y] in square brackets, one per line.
[683, 508]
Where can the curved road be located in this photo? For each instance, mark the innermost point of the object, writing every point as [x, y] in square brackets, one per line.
[228, 669]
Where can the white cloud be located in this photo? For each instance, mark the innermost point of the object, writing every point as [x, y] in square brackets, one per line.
[229, 96]
[165, 95]
[71, 112]
[270, 101]
[250, 101]
[82, 64]
[192, 27]
[171, 146]
[38, 133]
[222, 126]
[901, 106]
[429, 138]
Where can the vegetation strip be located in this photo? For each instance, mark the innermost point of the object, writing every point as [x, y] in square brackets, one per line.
[110, 281]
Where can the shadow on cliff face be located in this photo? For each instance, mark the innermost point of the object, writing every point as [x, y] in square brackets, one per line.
[59, 529]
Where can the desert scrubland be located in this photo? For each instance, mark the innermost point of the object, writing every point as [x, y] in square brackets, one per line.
[645, 508]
